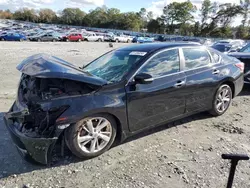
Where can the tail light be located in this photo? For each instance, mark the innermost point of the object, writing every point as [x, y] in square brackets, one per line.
[241, 66]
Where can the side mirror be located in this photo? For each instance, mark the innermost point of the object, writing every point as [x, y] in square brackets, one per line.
[143, 78]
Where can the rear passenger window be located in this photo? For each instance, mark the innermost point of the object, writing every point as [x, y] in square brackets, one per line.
[195, 58]
[215, 56]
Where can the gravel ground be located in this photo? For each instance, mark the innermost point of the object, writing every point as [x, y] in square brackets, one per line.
[181, 154]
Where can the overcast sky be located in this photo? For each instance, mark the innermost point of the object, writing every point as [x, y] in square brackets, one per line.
[124, 5]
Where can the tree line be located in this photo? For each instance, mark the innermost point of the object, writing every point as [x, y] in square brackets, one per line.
[215, 20]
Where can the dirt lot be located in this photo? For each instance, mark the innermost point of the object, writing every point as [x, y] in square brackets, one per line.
[182, 154]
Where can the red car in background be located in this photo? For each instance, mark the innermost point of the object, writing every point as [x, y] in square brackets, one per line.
[73, 37]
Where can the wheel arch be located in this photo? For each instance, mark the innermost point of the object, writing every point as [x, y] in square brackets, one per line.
[230, 83]
[120, 136]
[119, 133]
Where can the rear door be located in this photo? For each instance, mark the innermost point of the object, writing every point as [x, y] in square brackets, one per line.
[76, 37]
[45, 37]
[17, 37]
[92, 37]
[71, 37]
[164, 98]
[11, 37]
[201, 78]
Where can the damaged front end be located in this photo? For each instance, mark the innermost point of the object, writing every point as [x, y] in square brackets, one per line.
[34, 119]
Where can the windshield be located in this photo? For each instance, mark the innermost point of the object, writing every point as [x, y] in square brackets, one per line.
[246, 49]
[113, 66]
[221, 48]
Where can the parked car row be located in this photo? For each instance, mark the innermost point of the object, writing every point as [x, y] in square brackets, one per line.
[53, 37]
[227, 46]
[53, 34]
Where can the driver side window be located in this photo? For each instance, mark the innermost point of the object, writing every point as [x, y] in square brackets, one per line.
[162, 64]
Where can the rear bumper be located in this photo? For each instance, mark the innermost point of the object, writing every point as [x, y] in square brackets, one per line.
[31, 149]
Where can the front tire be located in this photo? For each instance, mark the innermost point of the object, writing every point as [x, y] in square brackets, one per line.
[91, 136]
[222, 100]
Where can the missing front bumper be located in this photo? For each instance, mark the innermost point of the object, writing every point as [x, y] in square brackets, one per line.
[31, 149]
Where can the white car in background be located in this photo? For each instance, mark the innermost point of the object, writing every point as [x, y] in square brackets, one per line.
[93, 37]
[236, 42]
[122, 38]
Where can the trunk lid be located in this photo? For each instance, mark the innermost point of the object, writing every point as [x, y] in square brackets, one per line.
[46, 66]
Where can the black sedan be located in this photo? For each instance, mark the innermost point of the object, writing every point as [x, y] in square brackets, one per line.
[244, 56]
[117, 95]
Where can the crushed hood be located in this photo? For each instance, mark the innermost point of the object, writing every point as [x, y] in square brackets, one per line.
[46, 66]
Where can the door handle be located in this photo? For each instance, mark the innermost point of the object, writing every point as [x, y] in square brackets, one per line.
[179, 84]
[215, 71]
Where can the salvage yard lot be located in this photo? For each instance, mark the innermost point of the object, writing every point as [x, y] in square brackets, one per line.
[181, 154]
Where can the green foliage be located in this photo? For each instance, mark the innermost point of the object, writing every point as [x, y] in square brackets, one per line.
[150, 16]
[206, 9]
[178, 13]
[47, 16]
[245, 4]
[26, 14]
[242, 32]
[6, 14]
[72, 16]
[154, 26]
[131, 21]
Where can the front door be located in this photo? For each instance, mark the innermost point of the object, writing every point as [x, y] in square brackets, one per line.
[164, 98]
[45, 37]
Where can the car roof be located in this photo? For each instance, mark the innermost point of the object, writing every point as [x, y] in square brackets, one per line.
[148, 47]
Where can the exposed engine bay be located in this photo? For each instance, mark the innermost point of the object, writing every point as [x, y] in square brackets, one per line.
[33, 91]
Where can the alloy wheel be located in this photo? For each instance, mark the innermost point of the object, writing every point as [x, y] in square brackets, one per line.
[94, 134]
[223, 99]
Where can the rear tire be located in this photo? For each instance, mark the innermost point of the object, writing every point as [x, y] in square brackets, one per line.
[85, 140]
[222, 100]
[79, 40]
[128, 41]
[54, 40]
[99, 40]
[38, 40]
